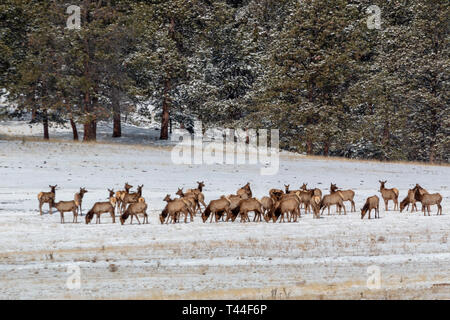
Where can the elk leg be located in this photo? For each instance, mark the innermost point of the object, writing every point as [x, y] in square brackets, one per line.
[40, 208]
[386, 204]
[353, 206]
[137, 218]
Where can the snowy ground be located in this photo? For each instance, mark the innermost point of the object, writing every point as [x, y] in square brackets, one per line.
[326, 258]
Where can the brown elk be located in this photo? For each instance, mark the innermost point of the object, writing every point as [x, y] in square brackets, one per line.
[121, 194]
[316, 191]
[248, 205]
[133, 210]
[102, 207]
[289, 205]
[389, 194]
[334, 198]
[216, 208]
[173, 209]
[276, 194]
[47, 197]
[67, 206]
[267, 205]
[199, 196]
[191, 199]
[409, 199]
[112, 198]
[305, 197]
[428, 200]
[245, 192]
[372, 203]
[78, 198]
[347, 195]
[315, 205]
[131, 198]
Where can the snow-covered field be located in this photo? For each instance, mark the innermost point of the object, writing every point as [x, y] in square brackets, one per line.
[332, 257]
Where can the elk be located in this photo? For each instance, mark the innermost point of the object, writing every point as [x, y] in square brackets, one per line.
[131, 198]
[173, 209]
[102, 207]
[315, 205]
[191, 199]
[47, 197]
[133, 210]
[121, 194]
[388, 194]
[289, 204]
[428, 200]
[78, 198]
[199, 196]
[67, 206]
[276, 194]
[267, 205]
[334, 198]
[305, 198]
[409, 199]
[347, 195]
[372, 203]
[316, 191]
[248, 205]
[245, 192]
[216, 208]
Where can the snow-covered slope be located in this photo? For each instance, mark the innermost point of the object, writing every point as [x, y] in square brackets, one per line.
[324, 258]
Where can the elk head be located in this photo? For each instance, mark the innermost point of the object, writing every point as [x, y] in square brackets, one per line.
[53, 188]
[89, 217]
[200, 185]
[180, 192]
[303, 187]
[111, 193]
[363, 213]
[82, 191]
[124, 217]
[167, 198]
[127, 187]
[286, 188]
[333, 187]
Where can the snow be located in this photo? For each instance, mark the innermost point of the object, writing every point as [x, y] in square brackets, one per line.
[314, 258]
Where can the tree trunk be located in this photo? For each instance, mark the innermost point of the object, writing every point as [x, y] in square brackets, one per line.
[326, 148]
[165, 116]
[432, 153]
[33, 114]
[117, 125]
[74, 129]
[45, 123]
[308, 147]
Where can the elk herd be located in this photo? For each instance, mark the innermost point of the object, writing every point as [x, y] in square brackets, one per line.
[278, 205]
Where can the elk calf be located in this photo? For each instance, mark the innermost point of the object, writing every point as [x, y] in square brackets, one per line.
[371, 203]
